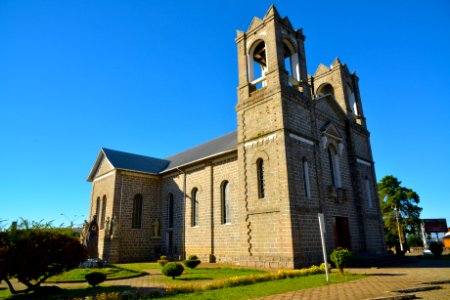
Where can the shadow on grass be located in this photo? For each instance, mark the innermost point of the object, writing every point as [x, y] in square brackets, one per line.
[116, 269]
[56, 293]
[195, 278]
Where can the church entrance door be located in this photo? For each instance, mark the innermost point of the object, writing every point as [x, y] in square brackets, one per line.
[342, 233]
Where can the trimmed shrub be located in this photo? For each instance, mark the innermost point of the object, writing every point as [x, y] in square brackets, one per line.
[162, 261]
[436, 248]
[341, 257]
[192, 261]
[95, 278]
[172, 269]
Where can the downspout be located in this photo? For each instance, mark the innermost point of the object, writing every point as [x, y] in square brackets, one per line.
[212, 258]
[183, 224]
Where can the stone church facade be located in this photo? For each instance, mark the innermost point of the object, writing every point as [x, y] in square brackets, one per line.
[252, 197]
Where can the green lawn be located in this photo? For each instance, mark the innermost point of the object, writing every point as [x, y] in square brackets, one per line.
[267, 288]
[139, 267]
[108, 292]
[77, 275]
[200, 274]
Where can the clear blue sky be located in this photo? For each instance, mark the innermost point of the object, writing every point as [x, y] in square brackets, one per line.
[158, 77]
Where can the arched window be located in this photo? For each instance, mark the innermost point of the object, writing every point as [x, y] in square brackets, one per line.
[291, 63]
[306, 182]
[102, 219]
[97, 208]
[352, 100]
[194, 210]
[334, 166]
[225, 195]
[325, 89]
[257, 64]
[260, 175]
[368, 192]
[170, 210]
[136, 220]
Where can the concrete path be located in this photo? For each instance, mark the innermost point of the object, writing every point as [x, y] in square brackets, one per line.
[381, 282]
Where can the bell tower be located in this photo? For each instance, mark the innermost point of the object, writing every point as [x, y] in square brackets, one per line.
[274, 101]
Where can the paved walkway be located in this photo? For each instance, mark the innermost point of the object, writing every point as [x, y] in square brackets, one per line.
[380, 283]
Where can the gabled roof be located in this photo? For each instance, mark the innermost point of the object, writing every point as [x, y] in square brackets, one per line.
[151, 165]
[215, 147]
[128, 161]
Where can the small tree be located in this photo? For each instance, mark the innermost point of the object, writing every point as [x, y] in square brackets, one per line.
[341, 257]
[436, 248]
[173, 269]
[33, 255]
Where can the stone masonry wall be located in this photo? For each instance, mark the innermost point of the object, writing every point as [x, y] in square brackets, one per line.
[138, 244]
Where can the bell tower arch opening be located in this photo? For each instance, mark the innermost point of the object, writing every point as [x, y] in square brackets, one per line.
[257, 64]
[291, 63]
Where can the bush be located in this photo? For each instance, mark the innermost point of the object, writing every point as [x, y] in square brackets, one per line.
[162, 261]
[173, 269]
[192, 262]
[414, 240]
[95, 278]
[341, 257]
[33, 255]
[436, 248]
[322, 267]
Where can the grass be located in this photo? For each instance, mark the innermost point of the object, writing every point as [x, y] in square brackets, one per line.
[71, 293]
[77, 275]
[191, 277]
[140, 267]
[206, 274]
[267, 288]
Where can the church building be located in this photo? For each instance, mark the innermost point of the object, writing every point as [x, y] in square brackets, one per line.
[252, 197]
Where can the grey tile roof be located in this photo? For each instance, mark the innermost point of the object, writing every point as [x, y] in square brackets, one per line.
[135, 162]
[151, 165]
[219, 145]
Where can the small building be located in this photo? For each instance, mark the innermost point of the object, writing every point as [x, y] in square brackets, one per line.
[446, 239]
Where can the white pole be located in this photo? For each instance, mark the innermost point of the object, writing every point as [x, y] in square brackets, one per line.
[398, 228]
[324, 248]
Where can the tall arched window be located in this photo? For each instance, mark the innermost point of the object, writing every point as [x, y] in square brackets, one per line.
[136, 220]
[194, 210]
[102, 219]
[257, 64]
[352, 100]
[97, 208]
[170, 210]
[368, 192]
[334, 166]
[261, 179]
[225, 195]
[306, 182]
